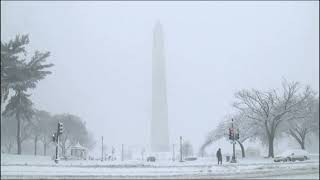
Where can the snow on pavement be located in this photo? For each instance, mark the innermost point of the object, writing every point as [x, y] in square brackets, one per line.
[299, 176]
[40, 167]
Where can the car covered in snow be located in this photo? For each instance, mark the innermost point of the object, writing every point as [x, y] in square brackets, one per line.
[151, 159]
[292, 155]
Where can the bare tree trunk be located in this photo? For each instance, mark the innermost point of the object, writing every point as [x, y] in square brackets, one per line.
[303, 142]
[297, 138]
[35, 145]
[270, 135]
[44, 149]
[18, 133]
[63, 150]
[271, 154]
[242, 149]
[9, 148]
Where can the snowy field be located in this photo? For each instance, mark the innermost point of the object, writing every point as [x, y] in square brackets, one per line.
[40, 167]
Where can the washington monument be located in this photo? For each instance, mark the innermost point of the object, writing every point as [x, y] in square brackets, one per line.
[159, 122]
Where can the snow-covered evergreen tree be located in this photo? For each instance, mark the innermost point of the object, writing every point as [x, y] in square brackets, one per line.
[20, 75]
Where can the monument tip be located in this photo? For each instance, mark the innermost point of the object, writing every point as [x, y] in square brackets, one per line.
[158, 24]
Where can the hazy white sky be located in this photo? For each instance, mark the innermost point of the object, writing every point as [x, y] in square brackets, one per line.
[102, 56]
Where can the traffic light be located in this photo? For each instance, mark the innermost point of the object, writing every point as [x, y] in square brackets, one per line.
[230, 134]
[237, 135]
[60, 128]
[54, 137]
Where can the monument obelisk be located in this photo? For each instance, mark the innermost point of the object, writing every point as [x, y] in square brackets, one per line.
[159, 122]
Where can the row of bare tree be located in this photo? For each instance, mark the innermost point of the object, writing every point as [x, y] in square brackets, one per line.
[266, 115]
[40, 129]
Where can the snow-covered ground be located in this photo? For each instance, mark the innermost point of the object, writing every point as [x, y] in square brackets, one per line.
[13, 166]
[303, 176]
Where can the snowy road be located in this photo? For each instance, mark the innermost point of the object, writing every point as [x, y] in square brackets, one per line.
[190, 170]
[297, 176]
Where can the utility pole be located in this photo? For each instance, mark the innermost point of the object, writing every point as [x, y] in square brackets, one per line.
[233, 160]
[101, 148]
[121, 152]
[180, 148]
[112, 153]
[142, 153]
[173, 158]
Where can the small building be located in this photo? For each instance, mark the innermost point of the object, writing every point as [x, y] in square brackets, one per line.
[78, 152]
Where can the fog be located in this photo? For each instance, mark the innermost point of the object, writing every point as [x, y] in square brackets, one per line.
[102, 53]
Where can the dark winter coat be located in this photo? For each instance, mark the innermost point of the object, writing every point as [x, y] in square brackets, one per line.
[219, 155]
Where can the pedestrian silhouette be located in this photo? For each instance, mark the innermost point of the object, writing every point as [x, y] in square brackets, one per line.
[219, 156]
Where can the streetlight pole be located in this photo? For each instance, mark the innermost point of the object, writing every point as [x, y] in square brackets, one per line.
[121, 152]
[173, 152]
[142, 153]
[101, 148]
[180, 148]
[233, 160]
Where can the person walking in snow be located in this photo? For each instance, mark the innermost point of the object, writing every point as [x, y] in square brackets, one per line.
[219, 156]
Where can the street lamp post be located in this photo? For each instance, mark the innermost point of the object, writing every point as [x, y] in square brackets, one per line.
[101, 148]
[122, 152]
[142, 153]
[112, 153]
[173, 152]
[180, 148]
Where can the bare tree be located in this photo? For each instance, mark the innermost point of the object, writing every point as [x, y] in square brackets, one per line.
[304, 124]
[315, 118]
[269, 109]
[44, 126]
[8, 134]
[35, 133]
[247, 130]
[215, 135]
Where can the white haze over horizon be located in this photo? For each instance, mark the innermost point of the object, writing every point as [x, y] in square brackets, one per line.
[102, 56]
